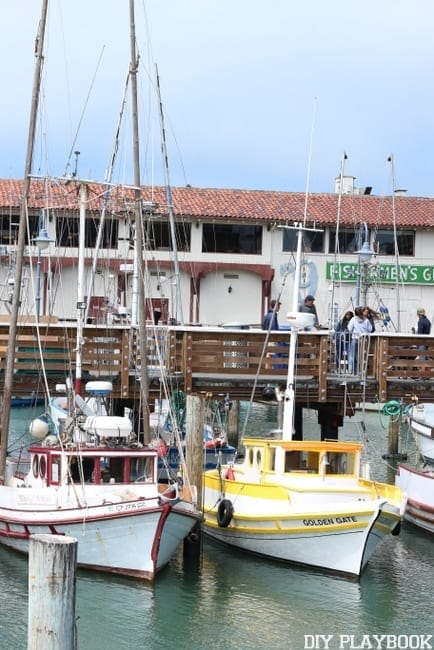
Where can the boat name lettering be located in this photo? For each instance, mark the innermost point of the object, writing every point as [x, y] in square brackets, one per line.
[329, 521]
[122, 507]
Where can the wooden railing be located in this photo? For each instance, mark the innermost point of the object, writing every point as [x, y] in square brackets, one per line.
[216, 359]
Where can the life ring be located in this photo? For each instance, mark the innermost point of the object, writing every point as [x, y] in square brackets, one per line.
[224, 513]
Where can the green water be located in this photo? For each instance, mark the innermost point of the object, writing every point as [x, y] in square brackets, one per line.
[229, 600]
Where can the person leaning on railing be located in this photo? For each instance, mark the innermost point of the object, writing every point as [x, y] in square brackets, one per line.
[358, 325]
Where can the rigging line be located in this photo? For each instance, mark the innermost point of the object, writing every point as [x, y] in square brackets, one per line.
[309, 164]
[71, 152]
[261, 358]
[106, 197]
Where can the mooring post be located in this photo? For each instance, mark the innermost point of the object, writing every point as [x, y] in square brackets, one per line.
[194, 452]
[52, 571]
[393, 437]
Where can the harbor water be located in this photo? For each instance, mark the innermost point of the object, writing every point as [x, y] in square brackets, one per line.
[229, 600]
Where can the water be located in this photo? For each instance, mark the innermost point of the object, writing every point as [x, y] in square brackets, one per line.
[230, 600]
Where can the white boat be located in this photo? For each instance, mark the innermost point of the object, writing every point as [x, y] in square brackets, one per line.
[96, 484]
[305, 502]
[92, 480]
[421, 420]
[418, 488]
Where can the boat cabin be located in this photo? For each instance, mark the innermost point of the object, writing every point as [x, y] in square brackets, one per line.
[56, 467]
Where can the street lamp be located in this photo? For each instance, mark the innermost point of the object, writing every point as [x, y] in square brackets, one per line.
[364, 254]
[42, 241]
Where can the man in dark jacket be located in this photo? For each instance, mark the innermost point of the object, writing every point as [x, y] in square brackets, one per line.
[270, 320]
[309, 308]
[423, 324]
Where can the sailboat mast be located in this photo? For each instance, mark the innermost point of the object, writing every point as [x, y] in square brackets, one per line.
[9, 371]
[396, 249]
[81, 300]
[142, 334]
[178, 304]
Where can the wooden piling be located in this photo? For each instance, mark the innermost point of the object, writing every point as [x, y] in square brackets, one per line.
[393, 437]
[52, 577]
[194, 453]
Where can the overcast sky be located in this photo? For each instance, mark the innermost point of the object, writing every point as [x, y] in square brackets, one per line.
[246, 85]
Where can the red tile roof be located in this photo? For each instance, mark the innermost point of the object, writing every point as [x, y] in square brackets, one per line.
[227, 204]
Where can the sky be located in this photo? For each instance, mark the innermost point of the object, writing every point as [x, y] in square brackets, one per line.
[256, 95]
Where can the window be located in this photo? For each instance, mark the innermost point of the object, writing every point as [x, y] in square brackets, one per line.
[67, 232]
[158, 237]
[141, 469]
[385, 242]
[312, 242]
[349, 240]
[243, 240]
[9, 229]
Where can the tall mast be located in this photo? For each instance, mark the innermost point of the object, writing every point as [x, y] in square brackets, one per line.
[396, 248]
[178, 304]
[81, 299]
[144, 390]
[9, 372]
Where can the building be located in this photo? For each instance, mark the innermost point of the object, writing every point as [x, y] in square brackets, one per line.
[235, 252]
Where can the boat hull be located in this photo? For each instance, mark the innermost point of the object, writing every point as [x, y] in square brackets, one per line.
[421, 418]
[418, 487]
[337, 535]
[135, 538]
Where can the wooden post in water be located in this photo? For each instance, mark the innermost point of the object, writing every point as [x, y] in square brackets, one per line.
[194, 442]
[393, 437]
[52, 568]
[233, 422]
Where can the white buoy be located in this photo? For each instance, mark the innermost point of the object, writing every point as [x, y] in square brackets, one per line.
[39, 428]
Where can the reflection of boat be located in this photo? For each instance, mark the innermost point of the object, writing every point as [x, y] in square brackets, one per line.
[421, 420]
[300, 501]
[28, 400]
[418, 486]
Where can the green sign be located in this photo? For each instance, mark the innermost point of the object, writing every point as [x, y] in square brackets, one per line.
[385, 273]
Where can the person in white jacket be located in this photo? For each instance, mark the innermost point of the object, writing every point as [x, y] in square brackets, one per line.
[358, 325]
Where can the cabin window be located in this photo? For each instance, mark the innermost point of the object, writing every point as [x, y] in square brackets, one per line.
[80, 469]
[385, 242]
[312, 242]
[35, 466]
[42, 466]
[158, 236]
[340, 463]
[55, 469]
[141, 470]
[224, 238]
[250, 457]
[301, 461]
[258, 458]
[271, 459]
[67, 232]
[112, 469]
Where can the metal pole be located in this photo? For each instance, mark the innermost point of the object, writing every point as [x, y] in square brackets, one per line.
[16, 298]
[38, 286]
[359, 274]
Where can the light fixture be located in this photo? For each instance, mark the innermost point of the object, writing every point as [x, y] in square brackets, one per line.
[230, 289]
[43, 240]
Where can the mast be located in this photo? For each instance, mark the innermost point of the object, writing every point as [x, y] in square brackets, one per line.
[8, 381]
[396, 249]
[178, 304]
[81, 299]
[142, 334]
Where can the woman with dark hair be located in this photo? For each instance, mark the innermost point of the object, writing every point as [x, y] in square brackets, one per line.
[342, 339]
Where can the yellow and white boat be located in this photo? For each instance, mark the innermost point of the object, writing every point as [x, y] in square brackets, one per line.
[301, 501]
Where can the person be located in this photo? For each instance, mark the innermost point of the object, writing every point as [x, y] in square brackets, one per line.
[309, 308]
[372, 316]
[358, 325]
[270, 320]
[423, 323]
[342, 338]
